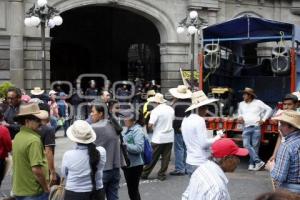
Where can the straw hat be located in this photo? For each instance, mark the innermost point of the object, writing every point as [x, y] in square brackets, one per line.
[32, 109]
[37, 91]
[158, 98]
[81, 132]
[289, 116]
[297, 94]
[249, 91]
[200, 99]
[181, 92]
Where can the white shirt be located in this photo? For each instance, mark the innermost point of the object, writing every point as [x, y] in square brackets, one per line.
[162, 119]
[76, 169]
[208, 182]
[197, 143]
[253, 112]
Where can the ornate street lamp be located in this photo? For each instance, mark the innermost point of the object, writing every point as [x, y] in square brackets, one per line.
[41, 14]
[193, 24]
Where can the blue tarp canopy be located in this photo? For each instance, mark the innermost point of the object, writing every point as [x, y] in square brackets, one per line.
[247, 29]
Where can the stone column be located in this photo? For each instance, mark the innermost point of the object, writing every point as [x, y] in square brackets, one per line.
[173, 57]
[212, 16]
[16, 43]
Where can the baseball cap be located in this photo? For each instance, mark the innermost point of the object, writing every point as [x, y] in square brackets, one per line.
[225, 147]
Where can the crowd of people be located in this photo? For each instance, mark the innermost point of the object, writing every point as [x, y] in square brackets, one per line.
[113, 137]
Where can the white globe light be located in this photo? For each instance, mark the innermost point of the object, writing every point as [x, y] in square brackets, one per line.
[180, 29]
[193, 14]
[58, 20]
[192, 30]
[42, 3]
[35, 21]
[51, 23]
[27, 21]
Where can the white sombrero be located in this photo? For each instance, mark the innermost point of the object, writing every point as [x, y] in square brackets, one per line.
[200, 99]
[158, 98]
[181, 92]
[81, 132]
[37, 91]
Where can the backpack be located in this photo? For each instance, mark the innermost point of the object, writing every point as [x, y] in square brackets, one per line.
[147, 151]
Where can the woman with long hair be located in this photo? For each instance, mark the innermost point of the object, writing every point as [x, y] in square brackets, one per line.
[134, 138]
[83, 166]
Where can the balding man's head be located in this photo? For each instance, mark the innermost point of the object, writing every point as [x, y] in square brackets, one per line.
[105, 96]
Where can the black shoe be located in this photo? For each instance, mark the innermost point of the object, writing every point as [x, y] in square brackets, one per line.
[177, 173]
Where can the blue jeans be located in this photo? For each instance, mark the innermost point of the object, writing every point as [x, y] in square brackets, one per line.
[53, 122]
[111, 181]
[251, 141]
[43, 196]
[180, 153]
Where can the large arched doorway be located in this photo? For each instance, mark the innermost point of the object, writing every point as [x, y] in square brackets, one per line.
[107, 40]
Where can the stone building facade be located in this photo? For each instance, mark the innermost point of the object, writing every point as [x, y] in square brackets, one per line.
[20, 57]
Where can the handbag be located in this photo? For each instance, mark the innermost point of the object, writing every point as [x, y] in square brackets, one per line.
[148, 151]
[57, 192]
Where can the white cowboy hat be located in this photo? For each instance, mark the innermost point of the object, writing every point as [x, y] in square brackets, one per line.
[289, 116]
[37, 91]
[200, 99]
[81, 132]
[297, 94]
[158, 98]
[31, 109]
[52, 92]
[181, 92]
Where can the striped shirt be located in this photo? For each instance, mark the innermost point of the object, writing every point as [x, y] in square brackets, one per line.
[287, 164]
[208, 182]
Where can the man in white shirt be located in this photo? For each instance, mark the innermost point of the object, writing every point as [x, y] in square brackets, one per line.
[253, 113]
[161, 121]
[194, 132]
[209, 181]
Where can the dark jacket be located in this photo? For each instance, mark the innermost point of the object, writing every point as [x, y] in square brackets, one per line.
[9, 115]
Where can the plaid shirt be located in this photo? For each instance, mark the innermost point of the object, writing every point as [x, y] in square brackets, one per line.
[287, 165]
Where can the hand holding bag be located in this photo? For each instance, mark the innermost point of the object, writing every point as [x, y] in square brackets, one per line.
[57, 192]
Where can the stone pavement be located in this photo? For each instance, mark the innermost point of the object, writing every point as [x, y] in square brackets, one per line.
[243, 185]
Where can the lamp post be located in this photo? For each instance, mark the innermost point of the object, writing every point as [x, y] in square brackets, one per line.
[193, 25]
[41, 14]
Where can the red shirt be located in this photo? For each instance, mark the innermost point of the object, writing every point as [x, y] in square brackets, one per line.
[5, 142]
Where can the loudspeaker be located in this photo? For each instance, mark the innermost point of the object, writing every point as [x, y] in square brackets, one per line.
[280, 62]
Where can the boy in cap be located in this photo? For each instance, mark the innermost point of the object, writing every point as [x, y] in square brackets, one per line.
[209, 181]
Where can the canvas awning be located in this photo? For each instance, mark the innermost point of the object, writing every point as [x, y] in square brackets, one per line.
[247, 29]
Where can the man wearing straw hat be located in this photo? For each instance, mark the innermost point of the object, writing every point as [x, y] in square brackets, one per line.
[30, 170]
[180, 103]
[253, 113]
[286, 169]
[161, 121]
[194, 132]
